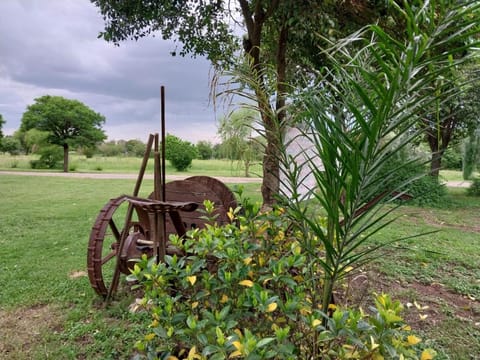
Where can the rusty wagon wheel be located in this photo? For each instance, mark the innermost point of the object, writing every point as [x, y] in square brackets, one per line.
[197, 189]
[104, 242]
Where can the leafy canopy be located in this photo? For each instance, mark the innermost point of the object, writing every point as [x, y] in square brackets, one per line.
[68, 122]
[201, 27]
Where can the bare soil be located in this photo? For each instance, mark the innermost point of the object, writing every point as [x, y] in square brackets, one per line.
[23, 331]
[421, 302]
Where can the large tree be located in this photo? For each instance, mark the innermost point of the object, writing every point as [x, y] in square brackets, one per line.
[2, 122]
[278, 35]
[282, 42]
[451, 120]
[68, 123]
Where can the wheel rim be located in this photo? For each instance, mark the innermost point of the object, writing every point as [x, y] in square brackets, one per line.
[104, 243]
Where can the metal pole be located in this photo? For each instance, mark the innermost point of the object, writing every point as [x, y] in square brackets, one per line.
[162, 95]
[128, 218]
[162, 218]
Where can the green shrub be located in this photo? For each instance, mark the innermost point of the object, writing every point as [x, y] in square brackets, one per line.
[180, 153]
[425, 190]
[51, 157]
[89, 151]
[246, 291]
[452, 159]
[428, 191]
[182, 159]
[204, 150]
[474, 189]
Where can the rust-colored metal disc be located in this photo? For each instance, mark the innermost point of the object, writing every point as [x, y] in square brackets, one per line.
[104, 243]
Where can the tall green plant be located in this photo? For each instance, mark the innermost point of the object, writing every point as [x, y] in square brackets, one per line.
[371, 91]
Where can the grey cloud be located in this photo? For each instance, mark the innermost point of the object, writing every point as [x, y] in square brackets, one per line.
[51, 47]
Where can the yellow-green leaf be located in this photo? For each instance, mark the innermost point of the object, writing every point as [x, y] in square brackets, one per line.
[149, 337]
[247, 283]
[413, 340]
[234, 354]
[192, 354]
[238, 345]
[272, 307]
[316, 323]
[247, 261]
[192, 279]
[427, 354]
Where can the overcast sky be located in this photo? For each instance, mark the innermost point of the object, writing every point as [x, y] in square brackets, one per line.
[51, 47]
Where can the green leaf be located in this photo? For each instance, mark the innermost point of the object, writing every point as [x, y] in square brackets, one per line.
[265, 341]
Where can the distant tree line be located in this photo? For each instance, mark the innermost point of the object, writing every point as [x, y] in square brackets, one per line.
[53, 127]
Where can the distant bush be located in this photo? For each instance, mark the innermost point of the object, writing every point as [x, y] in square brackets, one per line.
[205, 150]
[180, 153]
[135, 148]
[428, 191]
[111, 148]
[51, 157]
[474, 189]
[10, 145]
[452, 159]
[88, 152]
[425, 190]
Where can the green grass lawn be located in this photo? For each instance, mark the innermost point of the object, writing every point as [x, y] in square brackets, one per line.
[48, 309]
[79, 163]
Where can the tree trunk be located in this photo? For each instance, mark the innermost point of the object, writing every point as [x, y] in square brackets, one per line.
[271, 171]
[274, 127]
[438, 139]
[436, 163]
[65, 157]
[273, 121]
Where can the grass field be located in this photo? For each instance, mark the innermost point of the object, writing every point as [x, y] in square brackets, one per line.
[49, 311]
[98, 164]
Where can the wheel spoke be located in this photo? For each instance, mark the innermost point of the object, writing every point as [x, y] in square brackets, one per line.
[115, 231]
[109, 256]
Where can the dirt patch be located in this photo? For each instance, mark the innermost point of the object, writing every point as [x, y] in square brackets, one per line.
[464, 220]
[77, 274]
[22, 330]
[425, 305]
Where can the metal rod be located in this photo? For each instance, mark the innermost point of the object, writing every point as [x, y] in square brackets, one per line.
[157, 174]
[128, 218]
[163, 219]
[162, 95]
[146, 156]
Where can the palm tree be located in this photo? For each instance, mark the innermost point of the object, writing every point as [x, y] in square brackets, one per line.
[376, 86]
